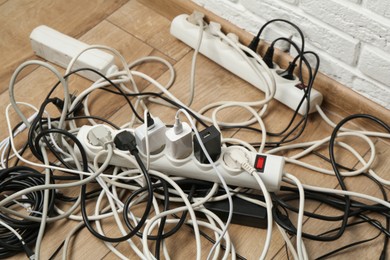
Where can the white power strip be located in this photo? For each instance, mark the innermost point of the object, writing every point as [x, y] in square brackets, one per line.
[226, 56]
[270, 167]
[59, 49]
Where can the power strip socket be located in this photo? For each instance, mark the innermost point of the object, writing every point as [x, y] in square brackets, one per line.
[60, 49]
[269, 167]
[226, 56]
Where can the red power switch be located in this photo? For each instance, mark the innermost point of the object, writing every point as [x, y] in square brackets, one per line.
[260, 162]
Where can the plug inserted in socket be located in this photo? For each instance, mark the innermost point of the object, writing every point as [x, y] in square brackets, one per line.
[270, 172]
[226, 56]
[232, 155]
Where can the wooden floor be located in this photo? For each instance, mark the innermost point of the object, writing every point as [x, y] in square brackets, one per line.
[137, 31]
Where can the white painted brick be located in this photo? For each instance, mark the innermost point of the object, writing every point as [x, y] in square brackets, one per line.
[291, 1]
[335, 30]
[381, 7]
[240, 16]
[340, 45]
[330, 66]
[352, 19]
[355, 1]
[375, 64]
[372, 90]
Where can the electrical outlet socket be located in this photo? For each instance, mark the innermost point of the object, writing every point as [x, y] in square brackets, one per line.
[226, 56]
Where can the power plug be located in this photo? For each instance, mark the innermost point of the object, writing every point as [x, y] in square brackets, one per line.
[59, 49]
[211, 139]
[229, 162]
[155, 130]
[287, 91]
[179, 140]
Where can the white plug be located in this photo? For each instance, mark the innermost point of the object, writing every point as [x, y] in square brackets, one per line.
[215, 28]
[155, 130]
[269, 167]
[99, 136]
[179, 140]
[196, 17]
[226, 56]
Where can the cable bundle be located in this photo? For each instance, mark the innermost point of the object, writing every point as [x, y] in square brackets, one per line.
[149, 206]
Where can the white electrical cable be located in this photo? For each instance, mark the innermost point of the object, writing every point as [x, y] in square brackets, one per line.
[255, 115]
[64, 84]
[188, 207]
[300, 247]
[45, 207]
[200, 23]
[220, 177]
[333, 125]
[315, 144]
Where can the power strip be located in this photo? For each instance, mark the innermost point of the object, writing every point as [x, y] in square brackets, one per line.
[226, 56]
[59, 49]
[269, 167]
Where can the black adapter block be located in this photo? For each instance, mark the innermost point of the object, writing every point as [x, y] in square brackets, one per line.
[244, 213]
[211, 139]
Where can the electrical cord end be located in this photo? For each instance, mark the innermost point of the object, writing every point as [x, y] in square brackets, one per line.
[99, 136]
[149, 121]
[125, 141]
[30, 254]
[215, 28]
[254, 44]
[269, 56]
[196, 17]
[59, 103]
[289, 72]
[233, 37]
[178, 126]
[179, 140]
[240, 160]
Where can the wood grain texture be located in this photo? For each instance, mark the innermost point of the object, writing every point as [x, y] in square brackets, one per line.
[137, 31]
[19, 18]
[336, 95]
[149, 27]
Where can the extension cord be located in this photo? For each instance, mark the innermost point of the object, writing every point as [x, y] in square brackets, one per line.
[222, 53]
[60, 49]
[269, 167]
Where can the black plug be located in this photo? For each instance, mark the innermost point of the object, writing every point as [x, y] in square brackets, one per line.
[59, 103]
[254, 43]
[269, 56]
[211, 139]
[289, 72]
[125, 141]
[149, 121]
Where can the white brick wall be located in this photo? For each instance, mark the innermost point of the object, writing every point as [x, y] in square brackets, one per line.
[352, 37]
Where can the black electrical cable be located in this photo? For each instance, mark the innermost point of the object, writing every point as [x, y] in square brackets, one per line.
[255, 41]
[89, 195]
[124, 141]
[338, 202]
[154, 94]
[14, 179]
[128, 222]
[160, 231]
[334, 163]
[120, 92]
[107, 79]
[211, 240]
[325, 256]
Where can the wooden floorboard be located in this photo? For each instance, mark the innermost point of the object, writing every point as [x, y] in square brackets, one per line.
[137, 31]
[19, 18]
[336, 95]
